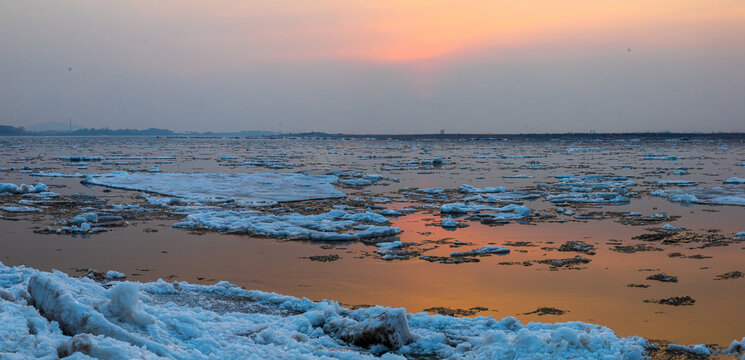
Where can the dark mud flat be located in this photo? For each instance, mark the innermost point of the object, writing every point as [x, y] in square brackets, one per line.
[456, 312]
[546, 311]
[674, 301]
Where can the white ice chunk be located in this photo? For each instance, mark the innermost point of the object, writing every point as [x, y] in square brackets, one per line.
[20, 209]
[734, 180]
[663, 183]
[668, 227]
[465, 188]
[449, 223]
[114, 275]
[435, 190]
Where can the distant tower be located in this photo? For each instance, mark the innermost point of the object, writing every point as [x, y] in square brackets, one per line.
[442, 131]
[70, 124]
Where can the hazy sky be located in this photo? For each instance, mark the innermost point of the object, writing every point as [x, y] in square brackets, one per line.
[400, 66]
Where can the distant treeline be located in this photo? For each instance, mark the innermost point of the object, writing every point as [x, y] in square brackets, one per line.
[19, 130]
[110, 132]
[13, 130]
[531, 136]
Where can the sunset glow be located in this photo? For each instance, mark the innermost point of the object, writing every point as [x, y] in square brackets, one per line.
[415, 30]
[390, 61]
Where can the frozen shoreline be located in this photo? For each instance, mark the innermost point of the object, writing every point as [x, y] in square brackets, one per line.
[50, 315]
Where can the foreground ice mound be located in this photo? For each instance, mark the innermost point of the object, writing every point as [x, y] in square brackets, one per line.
[244, 189]
[333, 225]
[726, 195]
[50, 315]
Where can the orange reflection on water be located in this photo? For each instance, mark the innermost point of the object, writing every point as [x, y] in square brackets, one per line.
[597, 293]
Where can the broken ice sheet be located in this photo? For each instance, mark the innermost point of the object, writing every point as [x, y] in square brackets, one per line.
[243, 189]
[334, 225]
[724, 195]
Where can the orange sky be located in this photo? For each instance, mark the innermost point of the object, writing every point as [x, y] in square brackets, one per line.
[381, 60]
[410, 30]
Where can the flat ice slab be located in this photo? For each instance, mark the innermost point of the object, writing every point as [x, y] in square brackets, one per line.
[244, 189]
[335, 225]
[724, 195]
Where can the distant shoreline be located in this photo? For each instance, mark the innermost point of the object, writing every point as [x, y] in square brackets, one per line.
[535, 136]
[20, 131]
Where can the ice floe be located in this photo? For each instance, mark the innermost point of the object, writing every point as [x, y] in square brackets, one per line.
[243, 189]
[486, 250]
[20, 209]
[462, 208]
[449, 223]
[663, 183]
[434, 190]
[334, 225]
[53, 174]
[726, 195]
[589, 198]
[489, 189]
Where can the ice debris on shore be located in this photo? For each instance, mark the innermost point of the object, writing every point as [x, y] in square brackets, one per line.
[51, 315]
[696, 350]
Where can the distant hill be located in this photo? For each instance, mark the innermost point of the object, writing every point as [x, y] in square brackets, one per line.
[52, 126]
[244, 133]
[12, 130]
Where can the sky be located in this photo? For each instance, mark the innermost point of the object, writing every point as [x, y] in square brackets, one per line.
[379, 67]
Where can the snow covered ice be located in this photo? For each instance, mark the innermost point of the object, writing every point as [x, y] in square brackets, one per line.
[333, 225]
[51, 315]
